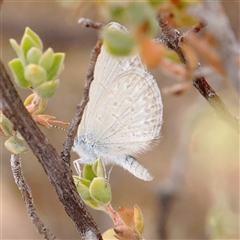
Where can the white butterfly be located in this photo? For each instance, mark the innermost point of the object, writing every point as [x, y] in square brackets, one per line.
[123, 116]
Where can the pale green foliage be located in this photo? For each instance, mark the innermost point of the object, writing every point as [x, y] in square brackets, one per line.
[34, 68]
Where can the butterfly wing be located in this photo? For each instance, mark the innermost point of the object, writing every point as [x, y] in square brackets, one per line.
[125, 107]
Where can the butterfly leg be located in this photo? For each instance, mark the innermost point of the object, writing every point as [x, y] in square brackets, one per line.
[136, 168]
[77, 167]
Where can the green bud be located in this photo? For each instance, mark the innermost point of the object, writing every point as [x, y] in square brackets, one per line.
[27, 43]
[100, 190]
[57, 66]
[100, 169]
[34, 37]
[118, 43]
[83, 190]
[6, 125]
[16, 145]
[95, 166]
[18, 51]
[47, 89]
[36, 75]
[33, 55]
[17, 70]
[46, 61]
[88, 172]
[94, 205]
[18, 135]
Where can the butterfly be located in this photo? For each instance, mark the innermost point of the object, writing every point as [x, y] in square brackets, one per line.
[124, 114]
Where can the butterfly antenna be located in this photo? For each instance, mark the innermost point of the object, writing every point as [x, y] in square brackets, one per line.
[61, 128]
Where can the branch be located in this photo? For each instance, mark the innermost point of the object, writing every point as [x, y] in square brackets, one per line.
[58, 171]
[173, 39]
[67, 146]
[215, 101]
[27, 196]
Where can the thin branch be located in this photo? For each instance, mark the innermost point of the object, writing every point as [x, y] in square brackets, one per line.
[58, 171]
[27, 197]
[88, 23]
[215, 101]
[172, 39]
[67, 146]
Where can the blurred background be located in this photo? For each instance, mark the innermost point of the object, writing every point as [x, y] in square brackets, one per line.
[208, 196]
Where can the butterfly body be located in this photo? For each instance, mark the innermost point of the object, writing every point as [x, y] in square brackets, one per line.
[124, 113]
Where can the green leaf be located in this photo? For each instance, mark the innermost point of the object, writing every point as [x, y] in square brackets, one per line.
[33, 55]
[36, 75]
[34, 37]
[18, 51]
[100, 190]
[47, 89]
[118, 43]
[27, 43]
[57, 67]
[88, 172]
[6, 125]
[46, 61]
[85, 182]
[16, 145]
[100, 169]
[17, 70]
[83, 191]
[95, 166]
[94, 205]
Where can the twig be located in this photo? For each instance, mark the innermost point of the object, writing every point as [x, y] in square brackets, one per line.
[215, 101]
[85, 22]
[67, 146]
[172, 40]
[27, 196]
[58, 171]
[171, 37]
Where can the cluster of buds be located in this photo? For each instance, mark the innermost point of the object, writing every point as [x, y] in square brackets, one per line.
[35, 69]
[95, 191]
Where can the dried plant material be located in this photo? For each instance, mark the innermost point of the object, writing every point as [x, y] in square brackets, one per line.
[47, 120]
[127, 216]
[2, 133]
[138, 219]
[207, 51]
[126, 233]
[167, 13]
[151, 52]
